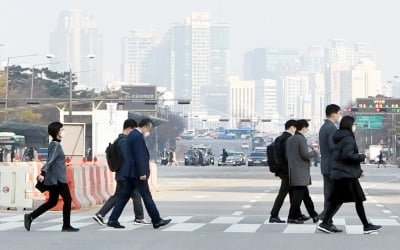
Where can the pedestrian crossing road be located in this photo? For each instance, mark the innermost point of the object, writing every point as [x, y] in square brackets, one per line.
[226, 224]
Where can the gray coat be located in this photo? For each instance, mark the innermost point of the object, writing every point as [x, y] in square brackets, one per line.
[54, 170]
[298, 158]
[326, 146]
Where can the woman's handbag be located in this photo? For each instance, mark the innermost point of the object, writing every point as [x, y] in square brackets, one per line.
[41, 186]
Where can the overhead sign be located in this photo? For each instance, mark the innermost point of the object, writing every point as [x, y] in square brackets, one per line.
[369, 121]
[144, 97]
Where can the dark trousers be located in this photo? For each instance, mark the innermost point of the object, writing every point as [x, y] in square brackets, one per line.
[283, 191]
[328, 188]
[135, 196]
[143, 188]
[301, 193]
[334, 207]
[56, 190]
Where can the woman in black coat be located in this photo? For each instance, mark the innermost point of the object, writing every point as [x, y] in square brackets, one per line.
[345, 172]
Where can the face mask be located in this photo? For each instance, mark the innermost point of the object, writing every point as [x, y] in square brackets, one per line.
[62, 134]
[353, 128]
[146, 134]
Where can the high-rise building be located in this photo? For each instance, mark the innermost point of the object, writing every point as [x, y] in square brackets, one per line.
[199, 61]
[136, 50]
[266, 94]
[263, 63]
[361, 81]
[296, 97]
[74, 38]
[241, 100]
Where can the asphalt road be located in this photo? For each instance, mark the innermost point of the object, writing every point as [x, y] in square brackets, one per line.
[220, 208]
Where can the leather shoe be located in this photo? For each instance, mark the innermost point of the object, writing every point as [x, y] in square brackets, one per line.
[161, 223]
[27, 221]
[115, 224]
[69, 229]
[304, 218]
[276, 220]
[337, 230]
[294, 221]
[315, 219]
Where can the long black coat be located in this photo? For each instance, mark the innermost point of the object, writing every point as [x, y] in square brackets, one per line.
[347, 160]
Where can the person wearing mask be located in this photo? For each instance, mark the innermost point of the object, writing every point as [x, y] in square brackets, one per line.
[333, 115]
[129, 125]
[298, 157]
[54, 176]
[282, 173]
[136, 173]
[345, 172]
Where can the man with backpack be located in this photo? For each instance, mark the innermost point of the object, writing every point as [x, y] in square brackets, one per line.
[280, 168]
[116, 160]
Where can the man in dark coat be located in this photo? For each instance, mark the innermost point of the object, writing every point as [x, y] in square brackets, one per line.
[136, 173]
[326, 144]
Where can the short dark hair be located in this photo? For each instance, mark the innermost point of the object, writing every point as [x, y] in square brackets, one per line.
[54, 128]
[146, 122]
[346, 123]
[302, 123]
[130, 123]
[290, 123]
[331, 109]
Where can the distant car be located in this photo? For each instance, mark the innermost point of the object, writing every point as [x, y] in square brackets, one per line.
[42, 154]
[257, 158]
[231, 160]
[245, 145]
[264, 149]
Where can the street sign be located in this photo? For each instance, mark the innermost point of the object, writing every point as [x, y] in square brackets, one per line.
[369, 121]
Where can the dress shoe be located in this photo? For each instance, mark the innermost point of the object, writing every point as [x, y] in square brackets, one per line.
[69, 229]
[304, 218]
[276, 220]
[27, 221]
[315, 219]
[115, 224]
[294, 221]
[161, 223]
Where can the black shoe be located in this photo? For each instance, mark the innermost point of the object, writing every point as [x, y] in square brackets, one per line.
[326, 228]
[372, 228]
[69, 229]
[304, 218]
[99, 219]
[114, 224]
[27, 221]
[161, 223]
[315, 219]
[337, 230]
[294, 221]
[276, 220]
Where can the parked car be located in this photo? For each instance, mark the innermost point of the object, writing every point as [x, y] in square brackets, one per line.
[233, 159]
[42, 154]
[257, 158]
[199, 155]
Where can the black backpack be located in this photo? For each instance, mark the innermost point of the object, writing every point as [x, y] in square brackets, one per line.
[272, 158]
[112, 156]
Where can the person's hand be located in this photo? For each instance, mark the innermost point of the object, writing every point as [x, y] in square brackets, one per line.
[143, 178]
[362, 174]
[40, 178]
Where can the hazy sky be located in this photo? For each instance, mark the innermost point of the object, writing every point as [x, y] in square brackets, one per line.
[26, 25]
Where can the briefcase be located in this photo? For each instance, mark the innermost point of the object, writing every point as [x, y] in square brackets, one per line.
[41, 186]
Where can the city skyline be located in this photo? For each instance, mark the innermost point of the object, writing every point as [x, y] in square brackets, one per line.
[287, 24]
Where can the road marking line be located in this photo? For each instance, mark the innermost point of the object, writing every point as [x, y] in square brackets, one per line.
[394, 217]
[59, 227]
[73, 218]
[179, 219]
[252, 201]
[379, 205]
[10, 225]
[246, 206]
[184, 227]
[386, 211]
[128, 227]
[385, 222]
[237, 213]
[299, 229]
[354, 229]
[243, 228]
[12, 218]
[226, 220]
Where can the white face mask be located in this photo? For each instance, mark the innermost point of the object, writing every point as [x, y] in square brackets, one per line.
[62, 134]
[146, 134]
[353, 128]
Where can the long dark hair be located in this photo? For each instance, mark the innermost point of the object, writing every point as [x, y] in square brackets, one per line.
[347, 123]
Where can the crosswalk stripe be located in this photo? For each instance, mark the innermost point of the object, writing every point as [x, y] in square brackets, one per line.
[10, 225]
[59, 226]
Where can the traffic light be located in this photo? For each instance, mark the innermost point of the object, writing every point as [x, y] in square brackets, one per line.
[379, 110]
[352, 109]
